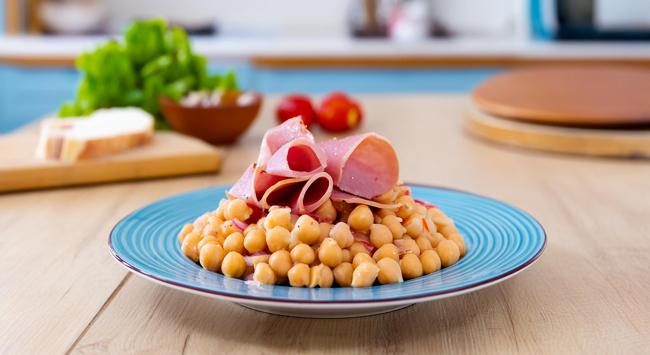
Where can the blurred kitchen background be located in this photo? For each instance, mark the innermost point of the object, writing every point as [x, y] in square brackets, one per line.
[360, 46]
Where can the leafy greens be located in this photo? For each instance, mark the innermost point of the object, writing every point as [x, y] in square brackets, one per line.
[153, 61]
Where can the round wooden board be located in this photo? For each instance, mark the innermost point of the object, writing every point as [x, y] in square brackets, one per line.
[584, 141]
[589, 96]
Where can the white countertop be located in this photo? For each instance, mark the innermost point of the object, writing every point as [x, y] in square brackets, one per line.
[223, 48]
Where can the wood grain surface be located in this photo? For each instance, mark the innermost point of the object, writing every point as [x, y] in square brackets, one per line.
[167, 154]
[61, 291]
[621, 143]
[569, 95]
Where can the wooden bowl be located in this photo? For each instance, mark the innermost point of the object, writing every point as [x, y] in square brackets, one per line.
[215, 125]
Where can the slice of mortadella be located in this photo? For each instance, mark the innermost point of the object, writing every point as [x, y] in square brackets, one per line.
[278, 136]
[303, 194]
[252, 185]
[364, 165]
[338, 195]
[313, 194]
[297, 158]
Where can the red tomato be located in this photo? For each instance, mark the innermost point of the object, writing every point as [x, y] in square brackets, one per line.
[296, 105]
[338, 113]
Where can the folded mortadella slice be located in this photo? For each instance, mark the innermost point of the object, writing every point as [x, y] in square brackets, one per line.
[338, 195]
[364, 165]
[313, 194]
[280, 193]
[252, 185]
[297, 158]
[278, 136]
[243, 188]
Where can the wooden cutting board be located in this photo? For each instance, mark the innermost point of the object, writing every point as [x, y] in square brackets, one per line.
[591, 96]
[625, 143]
[167, 154]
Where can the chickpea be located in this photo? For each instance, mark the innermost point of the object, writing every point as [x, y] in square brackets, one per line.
[407, 207]
[380, 235]
[234, 242]
[200, 222]
[423, 243]
[343, 274]
[326, 212]
[330, 253]
[303, 253]
[346, 256]
[260, 223]
[430, 261]
[361, 218]
[430, 225]
[389, 271]
[365, 274]
[278, 217]
[264, 274]
[442, 221]
[280, 262]
[448, 230]
[299, 275]
[448, 251]
[403, 190]
[190, 246]
[356, 248]
[387, 197]
[325, 229]
[277, 238]
[386, 251]
[255, 240]
[342, 235]
[208, 240]
[219, 212]
[185, 231]
[385, 212]
[408, 246]
[421, 210]
[233, 265]
[414, 226]
[411, 266]
[228, 228]
[321, 275]
[362, 258]
[435, 238]
[237, 209]
[395, 226]
[434, 212]
[211, 256]
[306, 230]
[249, 228]
[458, 239]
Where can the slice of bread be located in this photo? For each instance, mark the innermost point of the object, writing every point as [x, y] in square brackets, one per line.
[104, 132]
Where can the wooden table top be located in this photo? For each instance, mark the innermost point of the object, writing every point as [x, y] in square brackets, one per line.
[61, 291]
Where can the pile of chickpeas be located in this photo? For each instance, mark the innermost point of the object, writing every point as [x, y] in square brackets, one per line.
[350, 245]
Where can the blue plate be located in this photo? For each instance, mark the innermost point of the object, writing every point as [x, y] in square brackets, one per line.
[501, 241]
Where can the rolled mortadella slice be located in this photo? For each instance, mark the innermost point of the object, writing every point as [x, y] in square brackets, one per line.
[276, 137]
[280, 193]
[297, 158]
[243, 188]
[338, 195]
[252, 185]
[364, 165]
[313, 194]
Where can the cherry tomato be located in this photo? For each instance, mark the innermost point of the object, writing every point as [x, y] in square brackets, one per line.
[296, 105]
[338, 113]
